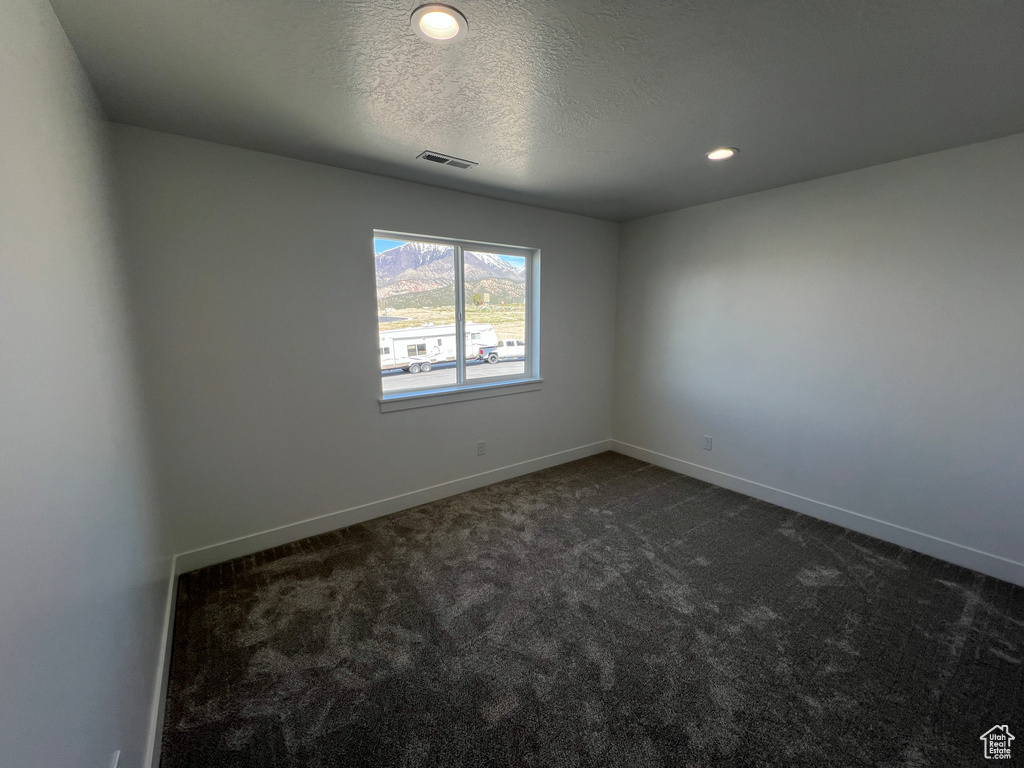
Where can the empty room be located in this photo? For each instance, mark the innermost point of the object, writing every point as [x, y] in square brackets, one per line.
[511, 383]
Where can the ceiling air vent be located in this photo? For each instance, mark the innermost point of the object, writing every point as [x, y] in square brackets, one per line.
[454, 162]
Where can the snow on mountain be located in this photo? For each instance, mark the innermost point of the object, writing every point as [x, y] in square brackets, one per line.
[409, 257]
[429, 264]
[496, 265]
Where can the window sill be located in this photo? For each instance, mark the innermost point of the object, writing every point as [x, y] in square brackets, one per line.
[406, 400]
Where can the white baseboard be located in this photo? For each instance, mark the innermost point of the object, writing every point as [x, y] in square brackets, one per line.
[285, 534]
[992, 565]
[959, 554]
[256, 542]
[163, 670]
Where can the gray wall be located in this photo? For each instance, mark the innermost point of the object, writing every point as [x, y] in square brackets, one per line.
[856, 341]
[255, 297]
[82, 585]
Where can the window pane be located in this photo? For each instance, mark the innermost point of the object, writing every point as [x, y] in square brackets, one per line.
[495, 314]
[415, 314]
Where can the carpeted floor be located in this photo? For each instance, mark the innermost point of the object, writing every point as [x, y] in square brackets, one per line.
[601, 613]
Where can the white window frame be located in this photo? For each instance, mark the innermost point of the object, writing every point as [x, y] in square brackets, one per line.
[490, 386]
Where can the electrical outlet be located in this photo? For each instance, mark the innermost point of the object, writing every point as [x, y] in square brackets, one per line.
[115, 761]
[481, 448]
[707, 442]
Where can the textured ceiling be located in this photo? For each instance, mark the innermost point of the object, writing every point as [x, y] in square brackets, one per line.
[594, 107]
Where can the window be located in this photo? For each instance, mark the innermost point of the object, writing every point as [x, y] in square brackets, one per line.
[460, 316]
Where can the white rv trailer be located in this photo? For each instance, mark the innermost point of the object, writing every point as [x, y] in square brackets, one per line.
[417, 349]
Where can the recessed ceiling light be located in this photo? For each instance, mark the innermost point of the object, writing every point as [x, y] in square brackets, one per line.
[722, 153]
[439, 23]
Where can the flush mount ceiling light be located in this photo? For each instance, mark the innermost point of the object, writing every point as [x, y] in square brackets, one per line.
[722, 153]
[439, 23]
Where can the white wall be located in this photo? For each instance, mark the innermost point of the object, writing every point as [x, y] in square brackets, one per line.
[82, 586]
[255, 298]
[856, 340]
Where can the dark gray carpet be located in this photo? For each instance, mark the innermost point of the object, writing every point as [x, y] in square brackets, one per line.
[605, 612]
